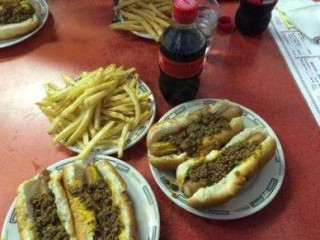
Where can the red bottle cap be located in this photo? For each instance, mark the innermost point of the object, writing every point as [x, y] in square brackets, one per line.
[185, 11]
[225, 24]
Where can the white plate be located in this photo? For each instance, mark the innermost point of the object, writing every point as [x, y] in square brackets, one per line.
[143, 199]
[135, 135]
[42, 12]
[257, 192]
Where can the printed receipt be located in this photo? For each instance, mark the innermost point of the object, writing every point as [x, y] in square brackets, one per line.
[303, 59]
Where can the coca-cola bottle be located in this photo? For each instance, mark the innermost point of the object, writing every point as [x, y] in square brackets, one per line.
[181, 54]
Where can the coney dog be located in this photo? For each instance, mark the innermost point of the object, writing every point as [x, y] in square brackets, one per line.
[99, 203]
[173, 141]
[42, 209]
[217, 177]
[18, 18]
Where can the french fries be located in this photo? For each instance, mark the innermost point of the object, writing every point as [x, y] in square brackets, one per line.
[150, 17]
[100, 108]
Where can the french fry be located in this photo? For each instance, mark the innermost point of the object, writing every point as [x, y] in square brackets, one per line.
[156, 27]
[161, 4]
[150, 17]
[66, 132]
[97, 114]
[165, 8]
[157, 12]
[114, 114]
[145, 116]
[144, 23]
[128, 25]
[118, 97]
[109, 142]
[123, 139]
[92, 130]
[81, 128]
[86, 151]
[93, 100]
[68, 80]
[141, 97]
[122, 4]
[85, 138]
[81, 144]
[137, 106]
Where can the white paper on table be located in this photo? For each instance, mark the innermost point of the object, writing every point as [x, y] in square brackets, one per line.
[303, 59]
[304, 14]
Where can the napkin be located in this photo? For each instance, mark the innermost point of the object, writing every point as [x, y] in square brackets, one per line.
[304, 14]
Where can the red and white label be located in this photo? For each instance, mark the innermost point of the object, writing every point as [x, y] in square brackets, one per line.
[180, 69]
[262, 2]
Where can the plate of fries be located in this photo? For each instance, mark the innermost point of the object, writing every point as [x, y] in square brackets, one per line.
[144, 18]
[104, 111]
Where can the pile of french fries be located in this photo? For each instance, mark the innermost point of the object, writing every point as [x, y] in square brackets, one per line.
[97, 109]
[144, 16]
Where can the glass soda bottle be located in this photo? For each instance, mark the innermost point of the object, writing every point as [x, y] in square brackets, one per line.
[181, 55]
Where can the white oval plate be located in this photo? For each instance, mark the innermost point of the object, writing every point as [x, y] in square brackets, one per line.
[42, 12]
[257, 192]
[141, 194]
[135, 135]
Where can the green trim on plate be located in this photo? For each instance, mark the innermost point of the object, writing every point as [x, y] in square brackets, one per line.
[257, 201]
[13, 217]
[122, 168]
[218, 212]
[241, 209]
[180, 110]
[143, 88]
[147, 193]
[154, 230]
[182, 199]
[272, 184]
[207, 102]
[140, 130]
[135, 177]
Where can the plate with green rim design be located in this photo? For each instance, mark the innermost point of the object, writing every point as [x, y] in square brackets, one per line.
[257, 193]
[135, 135]
[143, 199]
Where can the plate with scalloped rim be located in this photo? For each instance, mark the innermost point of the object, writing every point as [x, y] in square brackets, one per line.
[257, 192]
[42, 12]
[141, 194]
[135, 135]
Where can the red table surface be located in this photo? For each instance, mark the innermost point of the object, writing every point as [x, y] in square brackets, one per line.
[249, 71]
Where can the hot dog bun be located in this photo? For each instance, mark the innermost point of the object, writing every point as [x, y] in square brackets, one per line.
[158, 131]
[24, 212]
[8, 31]
[85, 219]
[222, 191]
[120, 198]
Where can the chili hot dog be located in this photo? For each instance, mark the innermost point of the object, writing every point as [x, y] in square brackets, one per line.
[219, 176]
[173, 141]
[42, 209]
[99, 203]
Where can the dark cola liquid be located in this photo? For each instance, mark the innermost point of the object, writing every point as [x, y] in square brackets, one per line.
[252, 19]
[181, 44]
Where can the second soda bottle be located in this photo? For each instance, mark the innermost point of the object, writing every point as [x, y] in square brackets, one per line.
[181, 54]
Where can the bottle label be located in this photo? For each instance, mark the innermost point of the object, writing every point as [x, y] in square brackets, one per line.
[261, 2]
[180, 69]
